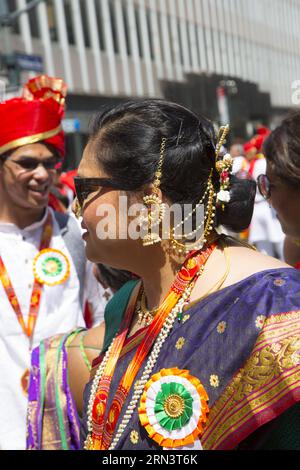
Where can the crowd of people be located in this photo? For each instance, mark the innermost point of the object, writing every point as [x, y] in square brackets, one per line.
[155, 341]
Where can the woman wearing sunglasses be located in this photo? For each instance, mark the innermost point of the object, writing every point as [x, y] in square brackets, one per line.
[204, 352]
[281, 183]
[42, 260]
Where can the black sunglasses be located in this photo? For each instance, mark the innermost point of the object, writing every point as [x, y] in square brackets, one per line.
[264, 186]
[85, 186]
[30, 164]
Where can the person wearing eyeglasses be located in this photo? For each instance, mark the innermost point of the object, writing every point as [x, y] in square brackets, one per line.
[280, 185]
[264, 232]
[43, 268]
[206, 353]
[202, 351]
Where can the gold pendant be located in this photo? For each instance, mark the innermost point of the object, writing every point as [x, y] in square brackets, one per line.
[151, 239]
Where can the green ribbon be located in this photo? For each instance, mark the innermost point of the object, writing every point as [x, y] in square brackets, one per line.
[168, 422]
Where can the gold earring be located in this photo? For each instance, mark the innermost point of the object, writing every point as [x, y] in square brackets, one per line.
[77, 208]
[154, 205]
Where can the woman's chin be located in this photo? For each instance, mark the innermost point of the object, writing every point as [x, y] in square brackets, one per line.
[93, 254]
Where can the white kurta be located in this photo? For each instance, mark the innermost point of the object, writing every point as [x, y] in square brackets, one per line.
[60, 311]
[264, 224]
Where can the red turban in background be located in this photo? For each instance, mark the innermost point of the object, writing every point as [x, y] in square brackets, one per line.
[257, 141]
[36, 117]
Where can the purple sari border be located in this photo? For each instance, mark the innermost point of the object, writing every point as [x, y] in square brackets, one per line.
[49, 376]
[265, 416]
[252, 410]
[71, 407]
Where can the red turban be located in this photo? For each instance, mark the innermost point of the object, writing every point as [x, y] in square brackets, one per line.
[248, 146]
[36, 117]
[262, 130]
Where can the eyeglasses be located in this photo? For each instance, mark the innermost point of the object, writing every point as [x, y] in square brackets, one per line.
[264, 186]
[85, 186]
[31, 164]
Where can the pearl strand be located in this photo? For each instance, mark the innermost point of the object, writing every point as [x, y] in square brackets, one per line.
[208, 188]
[140, 385]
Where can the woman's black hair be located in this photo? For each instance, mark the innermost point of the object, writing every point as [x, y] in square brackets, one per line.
[282, 149]
[126, 139]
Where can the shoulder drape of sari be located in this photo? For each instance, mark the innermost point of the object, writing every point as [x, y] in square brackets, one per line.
[52, 418]
[243, 343]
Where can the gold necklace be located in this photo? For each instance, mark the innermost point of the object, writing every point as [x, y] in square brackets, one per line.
[145, 316]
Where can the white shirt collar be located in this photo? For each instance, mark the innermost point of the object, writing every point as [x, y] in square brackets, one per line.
[12, 228]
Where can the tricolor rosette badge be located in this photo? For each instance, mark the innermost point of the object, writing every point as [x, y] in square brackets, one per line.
[173, 408]
[51, 267]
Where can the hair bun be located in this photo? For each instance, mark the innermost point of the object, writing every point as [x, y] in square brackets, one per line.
[237, 213]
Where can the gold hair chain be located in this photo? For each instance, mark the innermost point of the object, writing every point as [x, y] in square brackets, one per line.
[155, 207]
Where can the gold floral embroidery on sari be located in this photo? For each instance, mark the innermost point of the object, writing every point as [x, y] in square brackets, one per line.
[269, 377]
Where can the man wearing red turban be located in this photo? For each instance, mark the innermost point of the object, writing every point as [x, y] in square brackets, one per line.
[42, 262]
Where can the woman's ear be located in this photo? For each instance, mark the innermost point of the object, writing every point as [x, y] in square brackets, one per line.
[149, 189]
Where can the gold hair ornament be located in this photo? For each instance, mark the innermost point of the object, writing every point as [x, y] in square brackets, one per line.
[224, 168]
[208, 223]
[155, 206]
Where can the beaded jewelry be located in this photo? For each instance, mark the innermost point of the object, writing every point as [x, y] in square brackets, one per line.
[224, 168]
[145, 316]
[100, 425]
[185, 248]
[139, 386]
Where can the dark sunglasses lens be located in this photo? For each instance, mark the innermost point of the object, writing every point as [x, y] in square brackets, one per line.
[28, 165]
[31, 165]
[81, 190]
[264, 186]
[84, 188]
[78, 190]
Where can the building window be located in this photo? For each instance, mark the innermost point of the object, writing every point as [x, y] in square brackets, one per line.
[69, 22]
[113, 23]
[100, 26]
[159, 20]
[138, 32]
[33, 21]
[52, 22]
[180, 43]
[85, 24]
[126, 28]
[12, 7]
[148, 16]
[169, 20]
[189, 42]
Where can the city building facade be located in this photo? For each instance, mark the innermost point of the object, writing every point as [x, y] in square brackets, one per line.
[224, 58]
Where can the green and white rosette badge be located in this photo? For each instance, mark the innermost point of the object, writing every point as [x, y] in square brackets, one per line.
[51, 267]
[173, 409]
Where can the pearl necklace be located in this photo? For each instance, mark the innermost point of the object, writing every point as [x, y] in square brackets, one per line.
[140, 384]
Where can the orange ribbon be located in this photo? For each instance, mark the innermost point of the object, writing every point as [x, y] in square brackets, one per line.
[36, 294]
